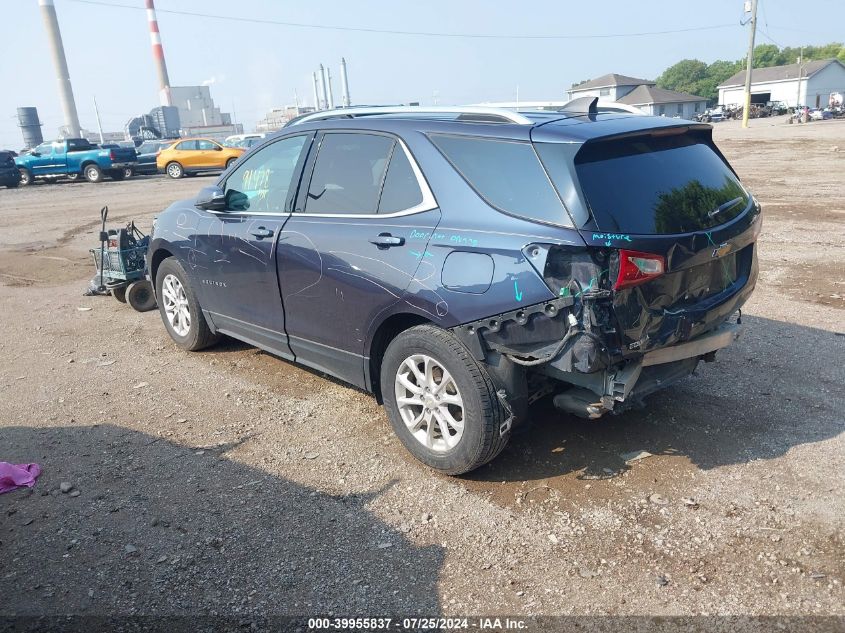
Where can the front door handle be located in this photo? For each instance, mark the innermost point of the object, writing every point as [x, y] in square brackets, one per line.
[262, 232]
[386, 240]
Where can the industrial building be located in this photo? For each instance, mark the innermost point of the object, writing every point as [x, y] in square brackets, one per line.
[806, 84]
[276, 118]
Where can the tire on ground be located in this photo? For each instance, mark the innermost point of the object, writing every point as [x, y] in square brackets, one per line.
[92, 173]
[140, 296]
[483, 414]
[199, 335]
[174, 170]
[119, 293]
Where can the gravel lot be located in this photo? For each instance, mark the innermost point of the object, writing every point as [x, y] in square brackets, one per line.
[230, 482]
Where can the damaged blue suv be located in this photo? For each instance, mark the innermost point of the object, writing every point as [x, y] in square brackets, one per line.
[460, 263]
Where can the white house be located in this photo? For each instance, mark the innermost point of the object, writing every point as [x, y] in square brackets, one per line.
[660, 102]
[611, 87]
[809, 83]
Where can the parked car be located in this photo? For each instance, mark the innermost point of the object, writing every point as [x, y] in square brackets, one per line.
[245, 143]
[74, 157]
[235, 139]
[147, 154]
[461, 264]
[127, 171]
[9, 175]
[196, 155]
[817, 114]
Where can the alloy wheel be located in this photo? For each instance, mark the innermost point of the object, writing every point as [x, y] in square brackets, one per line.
[176, 306]
[429, 403]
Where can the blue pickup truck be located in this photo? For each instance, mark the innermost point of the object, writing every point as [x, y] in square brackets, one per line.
[75, 157]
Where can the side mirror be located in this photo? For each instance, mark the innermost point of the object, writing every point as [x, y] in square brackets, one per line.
[211, 199]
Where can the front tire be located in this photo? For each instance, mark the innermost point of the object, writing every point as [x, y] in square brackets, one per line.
[93, 173]
[231, 162]
[441, 402]
[174, 170]
[179, 308]
[128, 172]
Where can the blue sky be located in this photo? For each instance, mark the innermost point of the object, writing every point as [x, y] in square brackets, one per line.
[254, 67]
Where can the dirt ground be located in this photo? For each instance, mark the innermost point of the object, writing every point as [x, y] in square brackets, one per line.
[230, 482]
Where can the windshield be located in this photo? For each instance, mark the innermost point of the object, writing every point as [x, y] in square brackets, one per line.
[658, 184]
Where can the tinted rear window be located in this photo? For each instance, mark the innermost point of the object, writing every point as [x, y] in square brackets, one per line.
[507, 174]
[658, 184]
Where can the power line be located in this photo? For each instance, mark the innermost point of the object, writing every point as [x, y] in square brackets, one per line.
[325, 27]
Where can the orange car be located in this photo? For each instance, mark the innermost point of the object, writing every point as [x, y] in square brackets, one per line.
[194, 155]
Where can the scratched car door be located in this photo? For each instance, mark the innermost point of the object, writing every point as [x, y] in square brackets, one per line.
[240, 291]
[356, 240]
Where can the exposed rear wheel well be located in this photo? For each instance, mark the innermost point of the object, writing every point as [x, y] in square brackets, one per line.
[386, 332]
[159, 256]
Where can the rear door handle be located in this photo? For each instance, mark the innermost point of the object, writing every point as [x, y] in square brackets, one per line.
[262, 232]
[386, 240]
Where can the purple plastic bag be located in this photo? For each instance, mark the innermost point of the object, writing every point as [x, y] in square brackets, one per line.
[13, 476]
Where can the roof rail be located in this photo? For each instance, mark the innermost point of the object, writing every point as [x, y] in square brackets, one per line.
[477, 114]
[593, 105]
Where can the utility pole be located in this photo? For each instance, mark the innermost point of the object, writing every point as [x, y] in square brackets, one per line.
[800, 72]
[750, 62]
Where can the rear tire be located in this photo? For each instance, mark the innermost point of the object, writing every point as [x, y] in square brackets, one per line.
[140, 296]
[174, 170]
[128, 172]
[459, 391]
[180, 311]
[26, 177]
[93, 173]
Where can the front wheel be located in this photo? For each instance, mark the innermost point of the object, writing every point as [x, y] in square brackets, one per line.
[180, 309]
[174, 170]
[441, 402]
[128, 172]
[231, 162]
[93, 173]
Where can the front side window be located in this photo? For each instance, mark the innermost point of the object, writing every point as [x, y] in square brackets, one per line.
[44, 149]
[348, 173]
[263, 182]
[206, 145]
[506, 174]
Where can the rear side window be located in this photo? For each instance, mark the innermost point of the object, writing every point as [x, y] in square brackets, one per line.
[658, 184]
[348, 174]
[507, 174]
[401, 190]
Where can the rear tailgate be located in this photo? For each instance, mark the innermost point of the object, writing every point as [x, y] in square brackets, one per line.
[122, 155]
[676, 229]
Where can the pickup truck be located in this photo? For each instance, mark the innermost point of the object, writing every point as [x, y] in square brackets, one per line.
[74, 157]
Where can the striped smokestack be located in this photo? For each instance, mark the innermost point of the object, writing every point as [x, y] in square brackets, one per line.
[158, 55]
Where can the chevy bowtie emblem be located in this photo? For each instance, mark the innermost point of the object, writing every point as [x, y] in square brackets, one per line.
[722, 249]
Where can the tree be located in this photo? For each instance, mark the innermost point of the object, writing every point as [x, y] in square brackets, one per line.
[683, 76]
[767, 55]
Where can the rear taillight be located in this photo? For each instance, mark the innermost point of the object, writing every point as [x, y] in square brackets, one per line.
[112, 155]
[636, 268]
